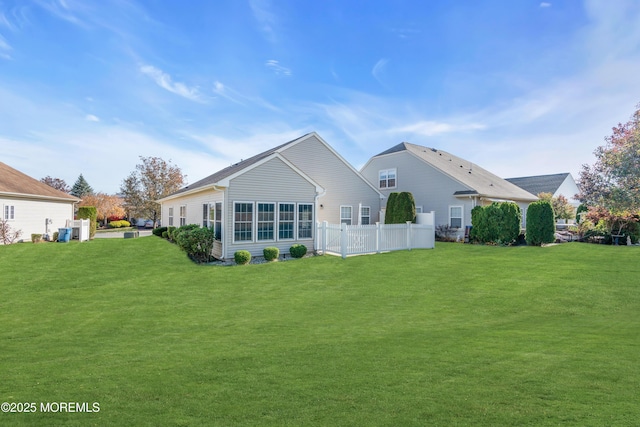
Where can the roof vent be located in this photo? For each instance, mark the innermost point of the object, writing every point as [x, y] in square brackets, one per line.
[435, 151]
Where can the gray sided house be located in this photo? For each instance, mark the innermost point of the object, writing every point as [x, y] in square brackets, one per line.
[31, 206]
[275, 198]
[441, 182]
[559, 184]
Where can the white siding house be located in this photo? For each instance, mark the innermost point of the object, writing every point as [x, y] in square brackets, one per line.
[441, 182]
[559, 184]
[274, 198]
[31, 206]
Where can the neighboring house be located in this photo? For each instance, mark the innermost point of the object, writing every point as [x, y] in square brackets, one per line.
[559, 184]
[275, 198]
[31, 206]
[441, 182]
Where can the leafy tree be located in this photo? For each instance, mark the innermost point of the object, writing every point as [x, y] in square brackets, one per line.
[57, 183]
[105, 204]
[153, 179]
[390, 212]
[562, 209]
[541, 226]
[401, 207]
[81, 187]
[497, 223]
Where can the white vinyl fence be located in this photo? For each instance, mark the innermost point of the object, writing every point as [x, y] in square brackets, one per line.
[346, 240]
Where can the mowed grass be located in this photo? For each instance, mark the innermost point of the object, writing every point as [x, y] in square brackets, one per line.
[459, 335]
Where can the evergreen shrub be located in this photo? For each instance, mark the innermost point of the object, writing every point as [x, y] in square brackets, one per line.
[271, 253]
[298, 250]
[242, 257]
[541, 226]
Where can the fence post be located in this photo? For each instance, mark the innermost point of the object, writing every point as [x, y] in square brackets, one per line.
[324, 237]
[409, 235]
[378, 237]
[343, 240]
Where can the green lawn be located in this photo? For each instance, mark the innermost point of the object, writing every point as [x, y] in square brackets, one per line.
[459, 335]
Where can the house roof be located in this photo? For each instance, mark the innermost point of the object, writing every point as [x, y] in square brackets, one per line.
[541, 183]
[479, 181]
[15, 183]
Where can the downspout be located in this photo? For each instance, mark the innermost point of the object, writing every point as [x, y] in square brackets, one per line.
[317, 205]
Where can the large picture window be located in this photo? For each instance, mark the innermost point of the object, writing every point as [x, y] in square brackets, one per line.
[305, 221]
[266, 221]
[242, 222]
[286, 220]
[387, 178]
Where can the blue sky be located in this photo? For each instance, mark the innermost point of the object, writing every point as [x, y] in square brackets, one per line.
[518, 87]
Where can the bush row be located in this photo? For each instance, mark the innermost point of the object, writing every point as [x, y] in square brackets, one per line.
[497, 223]
[270, 253]
[119, 224]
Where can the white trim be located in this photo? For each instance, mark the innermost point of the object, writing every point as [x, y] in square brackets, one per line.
[257, 221]
[313, 217]
[180, 210]
[294, 221]
[9, 212]
[360, 216]
[351, 210]
[170, 215]
[387, 171]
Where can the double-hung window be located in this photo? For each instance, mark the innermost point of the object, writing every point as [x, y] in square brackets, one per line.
[266, 221]
[305, 221]
[365, 215]
[208, 215]
[242, 222]
[183, 215]
[286, 220]
[455, 216]
[9, 212]
[218, 221]
[387, 178]
[170, 216]
[345, 214]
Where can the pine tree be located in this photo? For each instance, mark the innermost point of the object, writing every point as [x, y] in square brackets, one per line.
[81, 187]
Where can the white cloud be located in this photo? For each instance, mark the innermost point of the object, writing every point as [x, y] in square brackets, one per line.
[267, 20]
[431, 128]
[378, 69]
[164, 80]
[545, 4]
[91, 118]
[278, 69]
[4, 48]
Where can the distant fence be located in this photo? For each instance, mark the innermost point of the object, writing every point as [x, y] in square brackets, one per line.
[346, 240]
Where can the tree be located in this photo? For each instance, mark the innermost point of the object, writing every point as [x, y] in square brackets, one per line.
[105, 204]
[541, 226]
[562, 209]
[57, 183]
[401, 207]
[153, 179]
[613, 181]
[81, 187]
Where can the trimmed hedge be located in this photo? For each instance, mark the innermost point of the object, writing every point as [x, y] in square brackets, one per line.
[401, 207]
[119, 224]
[271, 253]
[159, 231]
[541, 226]
[242, 257]
[90, 213]
[298, 250]
[497, 223]
[196, 242]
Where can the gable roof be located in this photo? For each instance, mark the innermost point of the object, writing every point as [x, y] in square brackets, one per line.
[15, 183]
[541, 183]
[221, 178]
[480, 181]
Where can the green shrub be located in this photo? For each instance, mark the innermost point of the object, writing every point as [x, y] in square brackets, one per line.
[159, 231]
[242, 257]
[541, 226]
[197, 243]
[165, 234]
[270, 253]
[497, 223]
[298, 250]
[90, 213]
[119, 224]
[390, 211]
[36, 238]
[182, 229]
[401, 207]
[170, 232]
[55, 236]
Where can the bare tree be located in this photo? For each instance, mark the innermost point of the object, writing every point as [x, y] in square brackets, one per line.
[57, 183]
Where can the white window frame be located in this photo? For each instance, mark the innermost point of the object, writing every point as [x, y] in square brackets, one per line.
[183, 215]
[418, 209]
[218, 214]
[293, 221]
[251, 222]
[452, 217]
[259, 222]
[9, 213]
[362, 215]
[383, 177]
[310, 222]
[208, 214]
[343, 218]
[171, 216]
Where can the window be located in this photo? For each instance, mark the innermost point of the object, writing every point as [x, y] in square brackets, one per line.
[345, 215]
[418, 209]
[387, 178]
[9, 212]
[218, 221]
[365, 215]
[208, 215]
[266, 221]
[286, 220]
[242, 222]
[455, 216]
[183, 215]
[305, 221]
[171, 216]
